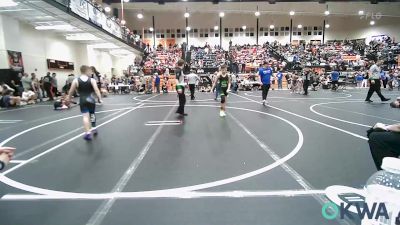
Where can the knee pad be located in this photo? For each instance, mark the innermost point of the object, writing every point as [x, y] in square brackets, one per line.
[223, 99]
[93, 119]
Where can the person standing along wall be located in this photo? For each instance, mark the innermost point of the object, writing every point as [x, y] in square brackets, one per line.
[54, 84]
[47, 86]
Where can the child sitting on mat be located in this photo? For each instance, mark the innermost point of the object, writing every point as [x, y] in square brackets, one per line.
[61, 103]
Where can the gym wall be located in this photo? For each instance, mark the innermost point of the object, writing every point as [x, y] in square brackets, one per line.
[38, 46]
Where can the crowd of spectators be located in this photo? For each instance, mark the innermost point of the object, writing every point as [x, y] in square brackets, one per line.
[127, 34]
[28, 89]
[161, 60]
[347, 55]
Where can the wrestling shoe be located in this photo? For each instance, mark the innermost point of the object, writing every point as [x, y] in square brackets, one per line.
[87, 137]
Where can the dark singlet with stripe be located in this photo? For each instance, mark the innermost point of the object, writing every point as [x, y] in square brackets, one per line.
[86, 90]
[224, 81]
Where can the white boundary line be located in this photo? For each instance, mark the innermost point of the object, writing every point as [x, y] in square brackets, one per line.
[333, 118]
[27, 151]
[65, 142]
[288, 169]
[169, 101]
[51, 122]
[43, 191]
[11, 120]
[310, 98]
[309, 119]
[102, 211]
[23, 108]
[179, 195]
[363, 114]
[17, 161]
[163, 124]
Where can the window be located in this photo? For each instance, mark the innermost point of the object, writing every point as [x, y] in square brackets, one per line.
[265, 33]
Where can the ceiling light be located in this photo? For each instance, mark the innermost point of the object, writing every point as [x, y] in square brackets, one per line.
[327, 25]
[221, 14]
[326, 12]
[81, 37]
[55, 27]
[271, 26]
[299, 26]
[8, 3]
[216, 27]
[186, 15]
[126, 0]
[244, 27]
[184, 0]
[361, 12]
[123, 22]
[291, 13]
[120, 52]
[372, 23]
[107, 9]
[151, 29]
[188, 28]
[257, 13]
[140, 16]
[104, 45]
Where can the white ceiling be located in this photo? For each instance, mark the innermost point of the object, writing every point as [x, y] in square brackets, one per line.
[39, 13]
[307, 8]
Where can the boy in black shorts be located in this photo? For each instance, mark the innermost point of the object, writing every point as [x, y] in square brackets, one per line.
[224, 81]
[86, 87]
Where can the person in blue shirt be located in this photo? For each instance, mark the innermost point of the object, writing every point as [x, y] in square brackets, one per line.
[359, 79]
[157, 83]
[335, 78]
[265, 73]
[279, 76]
